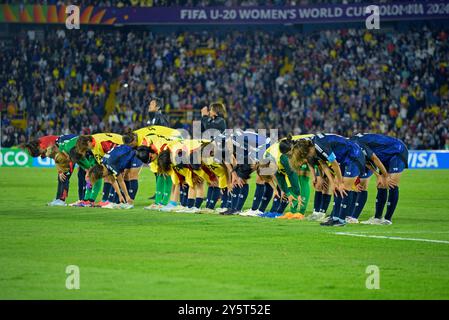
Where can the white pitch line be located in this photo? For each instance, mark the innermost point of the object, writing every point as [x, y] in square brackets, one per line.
[390, 238]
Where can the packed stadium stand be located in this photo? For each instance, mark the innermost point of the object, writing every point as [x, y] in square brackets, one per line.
[342, 80]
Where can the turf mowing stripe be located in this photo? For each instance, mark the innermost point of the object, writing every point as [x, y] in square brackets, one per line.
[391, 238]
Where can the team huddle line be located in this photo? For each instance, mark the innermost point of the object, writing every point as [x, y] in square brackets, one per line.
[284, 169]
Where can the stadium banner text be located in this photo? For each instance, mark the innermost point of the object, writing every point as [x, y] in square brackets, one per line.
[406, 10]
[417, 159]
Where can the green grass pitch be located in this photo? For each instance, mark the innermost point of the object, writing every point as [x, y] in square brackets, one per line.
[137, 254]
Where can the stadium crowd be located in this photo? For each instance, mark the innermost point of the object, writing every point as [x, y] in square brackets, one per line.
[341, 81]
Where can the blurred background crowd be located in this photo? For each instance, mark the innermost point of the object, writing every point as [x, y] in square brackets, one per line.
[339, 81]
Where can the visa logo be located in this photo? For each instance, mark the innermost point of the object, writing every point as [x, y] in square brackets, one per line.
[422, 160]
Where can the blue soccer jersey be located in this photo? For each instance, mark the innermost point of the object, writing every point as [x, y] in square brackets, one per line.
[391, 152]
[332, 147]
[383, 146]
[120, 158]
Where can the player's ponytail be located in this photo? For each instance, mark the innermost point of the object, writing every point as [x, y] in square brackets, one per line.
[143, 154]
[62, 162]
[82, 144]
[32, 147]
[129, 138]
[285, 145]
[164, 161]
[299, 152]
[96, 173]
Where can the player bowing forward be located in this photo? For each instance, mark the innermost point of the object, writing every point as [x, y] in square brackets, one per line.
[347, 162]
[113, 165]
[388, 155]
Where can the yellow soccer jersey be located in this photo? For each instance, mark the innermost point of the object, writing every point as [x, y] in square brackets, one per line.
[219, 171]
[103, 143]
[158, 131]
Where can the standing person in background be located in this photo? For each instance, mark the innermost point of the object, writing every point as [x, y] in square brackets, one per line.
[156, 117]
[213, 117]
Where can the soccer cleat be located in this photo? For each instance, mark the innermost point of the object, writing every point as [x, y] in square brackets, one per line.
[126, 206]
[351, 220]
[254, 213]
[297, 216]
[76, 203]
[287, 215]
[229, 212]
[316, 216]
[87, 204]
[373, 221]
[207, 210]
[250, 213]
[153, 206]
[57, 203]
[386, 222]
[220, 210]
[110, 205]
[168, 208]
[333, 223]
[273, 215]
[101, 203]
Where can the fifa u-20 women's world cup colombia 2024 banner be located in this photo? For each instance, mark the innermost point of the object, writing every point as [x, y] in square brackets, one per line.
[406, 10]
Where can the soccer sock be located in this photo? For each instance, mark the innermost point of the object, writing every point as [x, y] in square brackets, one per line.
[106, 189]
[166, 192]
[346, 205]
[381, 199]
[235, 197]
[243, 195]
[160, 181]
[360, 203]
[275, 205]
[64, 189]
[208, 196]
[88, 194]
[96, 188]
[214, 197]
[337, 206]
[59, 190]
[127, 186]
[198, 202]
[266, 198]
[116, 198]
[224, 198]
[229, 200]
[260, 188]
[183, 195]
[304, 184]
[393, 198]
[283, 205]
[81, 183]
[190, 203]
[325, 201]
[317, 201]
[111, 196]
[133, 187]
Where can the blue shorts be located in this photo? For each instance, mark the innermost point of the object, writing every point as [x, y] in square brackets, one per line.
[350, 169]
[135, 163]
[395, 164]
[368, 173]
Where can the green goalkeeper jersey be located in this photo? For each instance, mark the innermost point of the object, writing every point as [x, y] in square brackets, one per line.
[84, 163]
